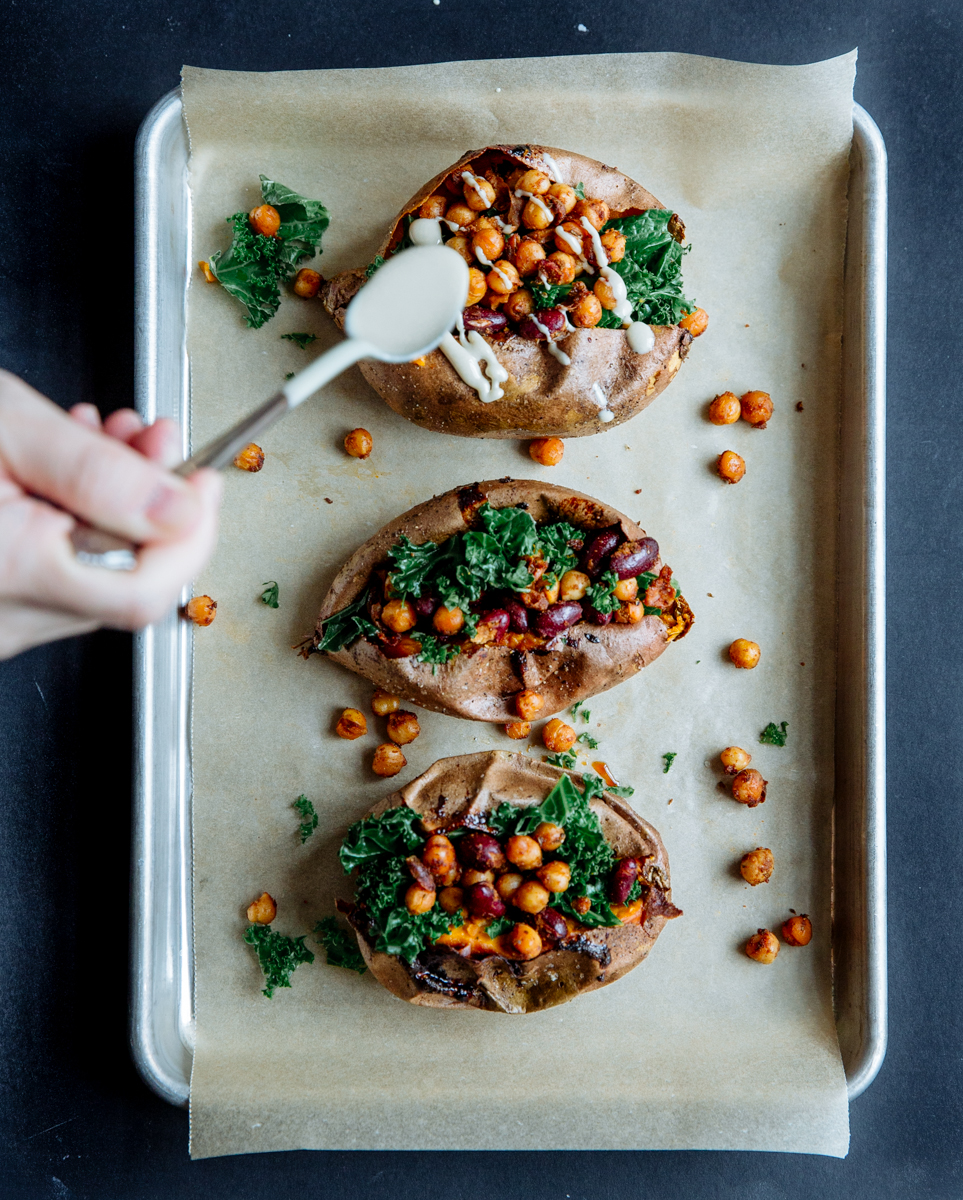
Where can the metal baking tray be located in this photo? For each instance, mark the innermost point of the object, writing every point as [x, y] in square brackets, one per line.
[161, 1019]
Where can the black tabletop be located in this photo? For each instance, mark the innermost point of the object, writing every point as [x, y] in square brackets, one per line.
[75, 1120]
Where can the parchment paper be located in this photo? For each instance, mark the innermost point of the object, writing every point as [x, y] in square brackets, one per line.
[699, 1047]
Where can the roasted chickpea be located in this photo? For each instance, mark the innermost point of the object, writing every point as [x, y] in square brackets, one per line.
[757, 409]
[450, 878]
[558, 268]
[201, 610]
[696, 323]
[756, 866]
[383, 703]
[534, 181]
[573, 585]
[587, 313]
[352, 724]
[528, 256]
[479, 193]
[548, 451]
[399, 615]
[749, 787]
[265, 219]
[549, 836]
[763, 946]
[488, 243]
[503, 278]
[725, 409]
[566, 196]
[495, 300]
[524, 941]
[388, 760]
[556, 876]
[613, 242]
[460, 215]
[307, 283]
[518, 730]
[519, 305]
[433, 208]
[537, 215]
[448, 620]
[359, 443]
[528, 704]
[632, 613]
[419, 899]
[508, 884]
[263, 910]
[403, 727]
[797, 931]
[731, 466]
[744, 654]
[523, 852]
[597, 212]
[451, 899]
[558, 737]
[735, 759]
[532, 897]
[581, 904]
[251, 458]
[462, 246]
[438, 854]
[604, 293]
[626, 589]
[571, 238]
[473, 875]
[477, 285]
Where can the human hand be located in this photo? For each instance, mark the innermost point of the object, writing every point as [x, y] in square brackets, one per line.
[115, 476]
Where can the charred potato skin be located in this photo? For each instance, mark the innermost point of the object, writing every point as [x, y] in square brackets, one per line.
[542, 398]
[443, 979]
[482, 686]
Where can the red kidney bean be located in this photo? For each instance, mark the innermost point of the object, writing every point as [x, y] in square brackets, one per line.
[483, 320]
[517, 616]
[557, 618]
[551, 925]
[400, 646]
[552, 318]
[599, 548]
[632, 558]
[595, 617]
[623, 877]
[482, 900]
[426, 604]
[498, 619]
[482, 851]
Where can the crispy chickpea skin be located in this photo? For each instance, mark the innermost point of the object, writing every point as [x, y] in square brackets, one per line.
[696, 322]
[479, 194]
[352, 724]
[452, 899]
[388, 760]
[438, 854]
[399, 615]
[731, 466]
[307, 283]
[744, 654]
[558, 737]
[581, 904]
[556, 876]
[508, 884]
[749, 787]
[403, 727]
[201, 610]
[549, 835]
[547, 451]
[560, 267]
[359, 443]
[383, 703]
[725, 409]
[528, 256]
[524, 941]
[763, 946]
[518, 730]
[265, 219]
[597, 212]
[519, 304]
[503, 278]
[587, 313]
[757, 409]
[523, 852]
[448, 620]
[734, 759]
[263, 910]
[251, 458]
[531, 897]
[434, 207]
[756, 866]
[477, 285]
[573, 585]
[419, 899]
[528, 704]
[797, 931]
[626, 589]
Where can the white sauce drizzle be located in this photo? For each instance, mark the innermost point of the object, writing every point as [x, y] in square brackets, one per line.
[622, 309]
[640, 337]
[466, 355]
[475, 183]
[552, 166]
[568, 324]
[569, 239]
[605, 413]
[480, 255]
[555, 352]
[424, 231]
[502, 276]
[538, 201]
[503, 225]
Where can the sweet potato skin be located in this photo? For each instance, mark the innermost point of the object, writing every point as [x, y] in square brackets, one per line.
[472, 784]
[481, 686]
[542, 398]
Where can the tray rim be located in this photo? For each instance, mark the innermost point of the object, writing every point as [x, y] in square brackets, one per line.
[161, 1027]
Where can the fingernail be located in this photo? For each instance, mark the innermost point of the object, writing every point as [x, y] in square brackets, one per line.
[173, 508]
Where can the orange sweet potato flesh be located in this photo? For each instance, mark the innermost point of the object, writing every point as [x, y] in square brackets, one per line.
[482, 685]
[470, 785]
[542, 397]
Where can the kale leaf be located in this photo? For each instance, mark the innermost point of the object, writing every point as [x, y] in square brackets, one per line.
[499, 926]
[566, 760]
[652, 268]
[588, 740]
[249, 270]
[277, 954]
[668, 760]
[774, 735]
[547, 295]
[270, 594]
[309, 818]
[435, 652]
[555, 543]
[345, 627]
[371, 838]
[301, 340]
[600, 594]
[340, 947]
[303, 222]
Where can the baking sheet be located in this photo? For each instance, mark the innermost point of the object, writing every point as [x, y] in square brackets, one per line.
[699, 1047]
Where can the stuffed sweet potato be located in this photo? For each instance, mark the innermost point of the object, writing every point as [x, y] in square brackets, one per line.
[575, 319]
[497, 589]
[497, 882]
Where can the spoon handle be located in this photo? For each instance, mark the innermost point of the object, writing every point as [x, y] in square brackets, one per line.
[224, 449]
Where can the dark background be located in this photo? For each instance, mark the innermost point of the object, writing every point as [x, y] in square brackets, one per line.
[75, 1120]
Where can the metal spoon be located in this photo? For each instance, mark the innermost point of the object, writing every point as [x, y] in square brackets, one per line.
[401, 313]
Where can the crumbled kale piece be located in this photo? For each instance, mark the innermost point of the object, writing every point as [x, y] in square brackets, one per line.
[270, 594]
[667, 760]
[775, 735]
[279, 955]
[340, 947]
[345, 627]
[309, 818]
[301, 340]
